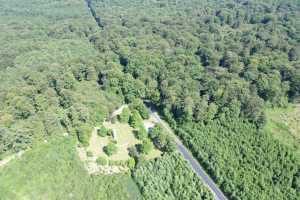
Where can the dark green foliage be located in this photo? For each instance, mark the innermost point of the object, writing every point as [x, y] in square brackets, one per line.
[48, 73]
[245, 162]
[210, 66]
[195, 65]
[110, 149]
[162, 140]
[169, 177]
[102, 132]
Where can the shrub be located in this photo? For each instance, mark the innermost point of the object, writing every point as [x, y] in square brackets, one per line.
[155, 131]
[138, 105]
[109, 132]
[83, 134]
[124, 116]
[141, 133]
[101, 161]
[110, 149]
[135, 119]
[131, 163]
[162, 140]
[146, 147]
[102, 132]
[123, 163]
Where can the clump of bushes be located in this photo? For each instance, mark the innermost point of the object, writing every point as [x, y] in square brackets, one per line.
[110, 149]
[141, 133]
[138, 105]
[146, 147]
[162, 140]
[135, 119]
[102, 132]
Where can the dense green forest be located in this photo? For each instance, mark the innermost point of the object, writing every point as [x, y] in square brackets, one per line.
[169, 178]
[212, 67]
[50, 85]
[48, 73]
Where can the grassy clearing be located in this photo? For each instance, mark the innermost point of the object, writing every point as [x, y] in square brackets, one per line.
[54, 171]
[125, 139]
[283, 123]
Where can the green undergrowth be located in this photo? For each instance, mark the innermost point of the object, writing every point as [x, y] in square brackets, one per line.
[54, 171]
[283, 125]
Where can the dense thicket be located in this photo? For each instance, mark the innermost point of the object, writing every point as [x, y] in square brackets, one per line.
[169, 178]
[245, 163]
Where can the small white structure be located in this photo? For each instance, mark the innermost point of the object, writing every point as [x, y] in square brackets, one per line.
[114, 134]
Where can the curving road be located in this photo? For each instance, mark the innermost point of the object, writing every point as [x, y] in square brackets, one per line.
[192, 161]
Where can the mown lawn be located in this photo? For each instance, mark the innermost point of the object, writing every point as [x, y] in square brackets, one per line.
[54, 171]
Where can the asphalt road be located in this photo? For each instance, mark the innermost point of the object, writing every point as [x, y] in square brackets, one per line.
[192, 161]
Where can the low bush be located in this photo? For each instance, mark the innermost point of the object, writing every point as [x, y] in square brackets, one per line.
[110, 149]
[101, 161]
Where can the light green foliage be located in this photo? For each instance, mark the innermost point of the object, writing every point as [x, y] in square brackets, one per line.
[131, 163]
[124, 116]
[141, 133]
[60, 175]
[102, 132]
[110, 149]
[146, 146]
[283, 124]
[169, 177]
[135, 119]
[84, 133]
[138, 105]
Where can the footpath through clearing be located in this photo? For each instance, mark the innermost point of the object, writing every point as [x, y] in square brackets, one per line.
[218, 194]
